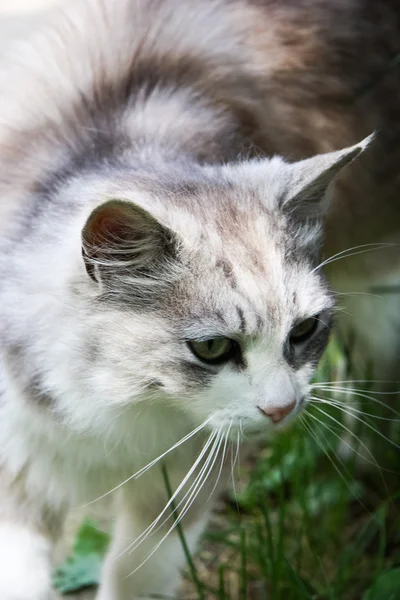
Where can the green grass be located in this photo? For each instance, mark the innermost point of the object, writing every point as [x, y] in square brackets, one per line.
[315, 526]
[301, 522]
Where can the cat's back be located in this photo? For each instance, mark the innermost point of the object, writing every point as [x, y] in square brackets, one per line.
[300, 67]
[299, 77]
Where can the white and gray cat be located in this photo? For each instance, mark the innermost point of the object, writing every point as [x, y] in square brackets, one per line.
[161, 293]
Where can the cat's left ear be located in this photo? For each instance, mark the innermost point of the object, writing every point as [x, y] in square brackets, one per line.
[121, 237]
[310, 179]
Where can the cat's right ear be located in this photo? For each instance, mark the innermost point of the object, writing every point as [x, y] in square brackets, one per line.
[120, 237]
[310, 179]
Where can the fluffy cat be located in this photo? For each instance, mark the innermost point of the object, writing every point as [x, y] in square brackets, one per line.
[161, 284]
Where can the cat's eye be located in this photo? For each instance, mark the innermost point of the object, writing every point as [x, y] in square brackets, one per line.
[214, 351]
[304, 330]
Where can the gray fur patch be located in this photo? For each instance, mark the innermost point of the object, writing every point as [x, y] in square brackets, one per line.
[31, 383]
[242, 320]
[196, 375]
[311, 350]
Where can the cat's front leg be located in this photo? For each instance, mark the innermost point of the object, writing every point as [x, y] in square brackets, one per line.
[25, 559]
[124, 575]
[27, 534]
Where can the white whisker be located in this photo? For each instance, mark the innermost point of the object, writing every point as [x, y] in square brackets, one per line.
[360, 394]
[346, 406]
[362, 421]
[151, 464]
[185, 509]
[332, 430]
[216, 438]
[152, 525]
[233, 464]
[340, 385]
[222, 462]
[358, 294]
[348, 252]
[319, 443]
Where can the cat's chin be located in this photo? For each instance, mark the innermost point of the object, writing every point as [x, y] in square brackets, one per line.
[261, 432]
[246, 430]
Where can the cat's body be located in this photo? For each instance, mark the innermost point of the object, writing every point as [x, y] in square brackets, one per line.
[133, 107]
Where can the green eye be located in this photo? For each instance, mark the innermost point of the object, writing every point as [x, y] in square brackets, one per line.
[304, 330]
[214, 351]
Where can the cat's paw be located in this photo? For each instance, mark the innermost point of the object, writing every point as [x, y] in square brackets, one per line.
[25, 564]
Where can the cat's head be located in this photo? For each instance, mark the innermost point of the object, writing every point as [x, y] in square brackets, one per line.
[210, 290]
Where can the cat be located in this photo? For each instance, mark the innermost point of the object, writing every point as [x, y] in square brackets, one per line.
[168, 195]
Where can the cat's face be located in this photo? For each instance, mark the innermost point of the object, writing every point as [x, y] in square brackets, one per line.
[223, 310]
[254, 328]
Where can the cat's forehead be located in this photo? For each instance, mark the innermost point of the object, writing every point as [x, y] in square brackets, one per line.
[226, 215]
[225, 302]
[253, 278]
[245, 256]
[270, 292]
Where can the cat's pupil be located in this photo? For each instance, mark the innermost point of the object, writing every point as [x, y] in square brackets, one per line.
[303, 330]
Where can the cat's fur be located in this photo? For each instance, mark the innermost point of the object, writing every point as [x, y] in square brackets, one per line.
[125, 232]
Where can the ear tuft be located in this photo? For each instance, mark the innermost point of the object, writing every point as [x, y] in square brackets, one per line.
[120, 236]
[311, 178]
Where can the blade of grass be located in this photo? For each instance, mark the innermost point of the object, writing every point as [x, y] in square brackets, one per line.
[262, 551]
[281, 527]
[243, 565]
[271, 549]
[307, 591]
[221, 582]
[198, 584]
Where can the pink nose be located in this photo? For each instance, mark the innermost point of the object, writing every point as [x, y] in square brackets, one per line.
[277, 413]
